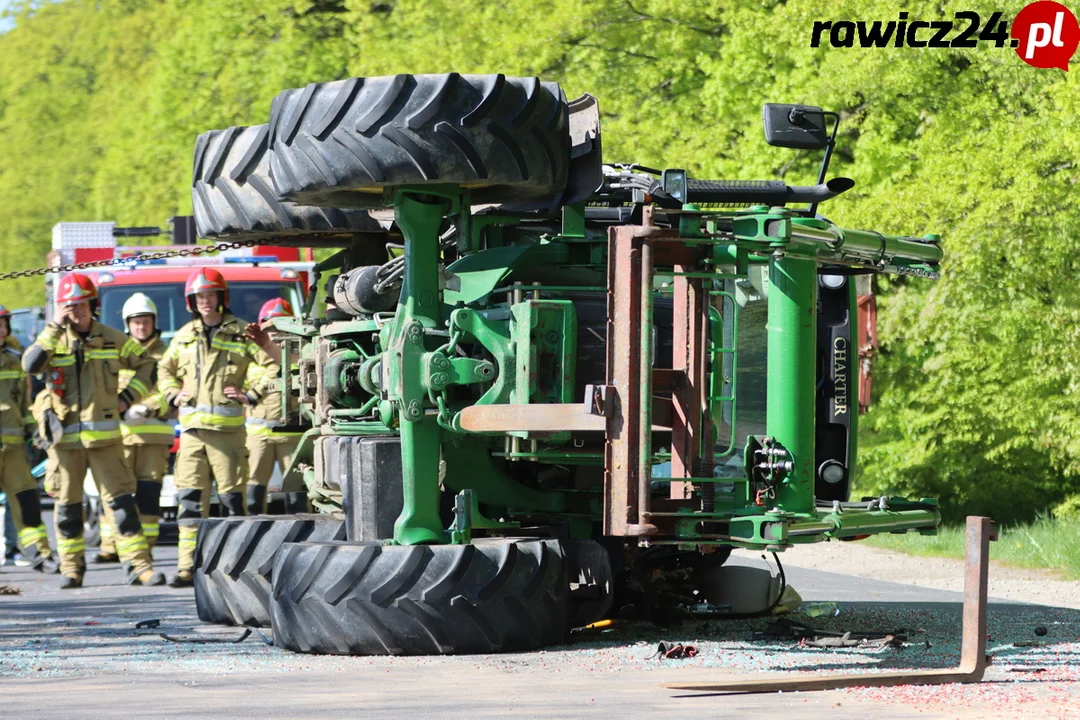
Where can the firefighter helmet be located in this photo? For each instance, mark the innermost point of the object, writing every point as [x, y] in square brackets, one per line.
[275, 308]
[138, 304]
[74, 288]
[204, 280]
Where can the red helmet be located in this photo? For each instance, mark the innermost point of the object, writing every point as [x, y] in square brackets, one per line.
[74, 288]
[204, 280]
[275, 308]
[5, 313]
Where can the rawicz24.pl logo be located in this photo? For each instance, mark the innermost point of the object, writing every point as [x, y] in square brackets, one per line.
[1045, 34]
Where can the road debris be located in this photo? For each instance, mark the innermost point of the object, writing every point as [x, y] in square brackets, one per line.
[973, 657]
[813, 637]
[846, 640]
[673, 651]
[197, 640]
[820, 609]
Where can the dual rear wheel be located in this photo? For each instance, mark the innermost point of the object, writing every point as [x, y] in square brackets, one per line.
[321, 594]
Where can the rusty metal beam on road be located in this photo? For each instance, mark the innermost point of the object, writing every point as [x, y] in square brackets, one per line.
[973, 659]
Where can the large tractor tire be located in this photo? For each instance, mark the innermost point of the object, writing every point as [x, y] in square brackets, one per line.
[341, 143]
[233, 196]
[592, 581]
[368, 599]
[234, 562]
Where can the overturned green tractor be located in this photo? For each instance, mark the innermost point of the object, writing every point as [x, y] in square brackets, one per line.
[538, 389]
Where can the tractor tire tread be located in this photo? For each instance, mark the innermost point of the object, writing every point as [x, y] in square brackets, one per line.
[234, 562]
[366, 599]
[233, 195]
[342, 143]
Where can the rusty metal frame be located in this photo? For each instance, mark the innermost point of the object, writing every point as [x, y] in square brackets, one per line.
[629, 427]
[633, 252]
[973, 658]
[689, 344]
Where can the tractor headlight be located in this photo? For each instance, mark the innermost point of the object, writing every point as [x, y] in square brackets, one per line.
[832, 472]
[833, 282]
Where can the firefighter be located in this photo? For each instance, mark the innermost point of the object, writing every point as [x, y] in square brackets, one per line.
[147, 432]
[202, 374]
[78, 416]
[265, 446]
[16, 482]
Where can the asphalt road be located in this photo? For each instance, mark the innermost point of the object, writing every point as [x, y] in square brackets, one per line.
[77, 654]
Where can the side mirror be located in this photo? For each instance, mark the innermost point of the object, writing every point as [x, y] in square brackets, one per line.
[674, 184]
[794, 126]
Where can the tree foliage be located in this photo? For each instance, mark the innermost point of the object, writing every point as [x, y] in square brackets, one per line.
[100, 103]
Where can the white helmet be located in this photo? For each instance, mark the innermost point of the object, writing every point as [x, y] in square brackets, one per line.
[139, 304]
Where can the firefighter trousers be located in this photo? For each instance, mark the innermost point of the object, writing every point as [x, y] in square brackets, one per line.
[149, 463]
[67, 468]
[263, 452]
[22, 501]
[207, 457]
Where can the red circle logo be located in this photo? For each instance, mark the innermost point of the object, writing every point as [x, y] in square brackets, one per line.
[1045, 35]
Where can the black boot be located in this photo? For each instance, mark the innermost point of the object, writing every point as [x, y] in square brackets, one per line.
[147, 577]
[296, 502]
[46, 564]
[182, 579]
[71, 582]
[256, 499]
[232, 504]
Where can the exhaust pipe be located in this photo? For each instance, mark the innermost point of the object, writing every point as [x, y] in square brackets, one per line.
[763, 192]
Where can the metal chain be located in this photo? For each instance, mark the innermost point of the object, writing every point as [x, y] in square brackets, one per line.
[194, 250]
[445, 416]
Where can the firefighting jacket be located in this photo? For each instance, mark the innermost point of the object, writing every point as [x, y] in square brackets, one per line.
[204, 369]
[263, 386]
[82, 380]
[15, 418]
[157, 428]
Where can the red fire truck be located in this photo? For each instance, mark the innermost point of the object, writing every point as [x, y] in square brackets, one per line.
[255, 274]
